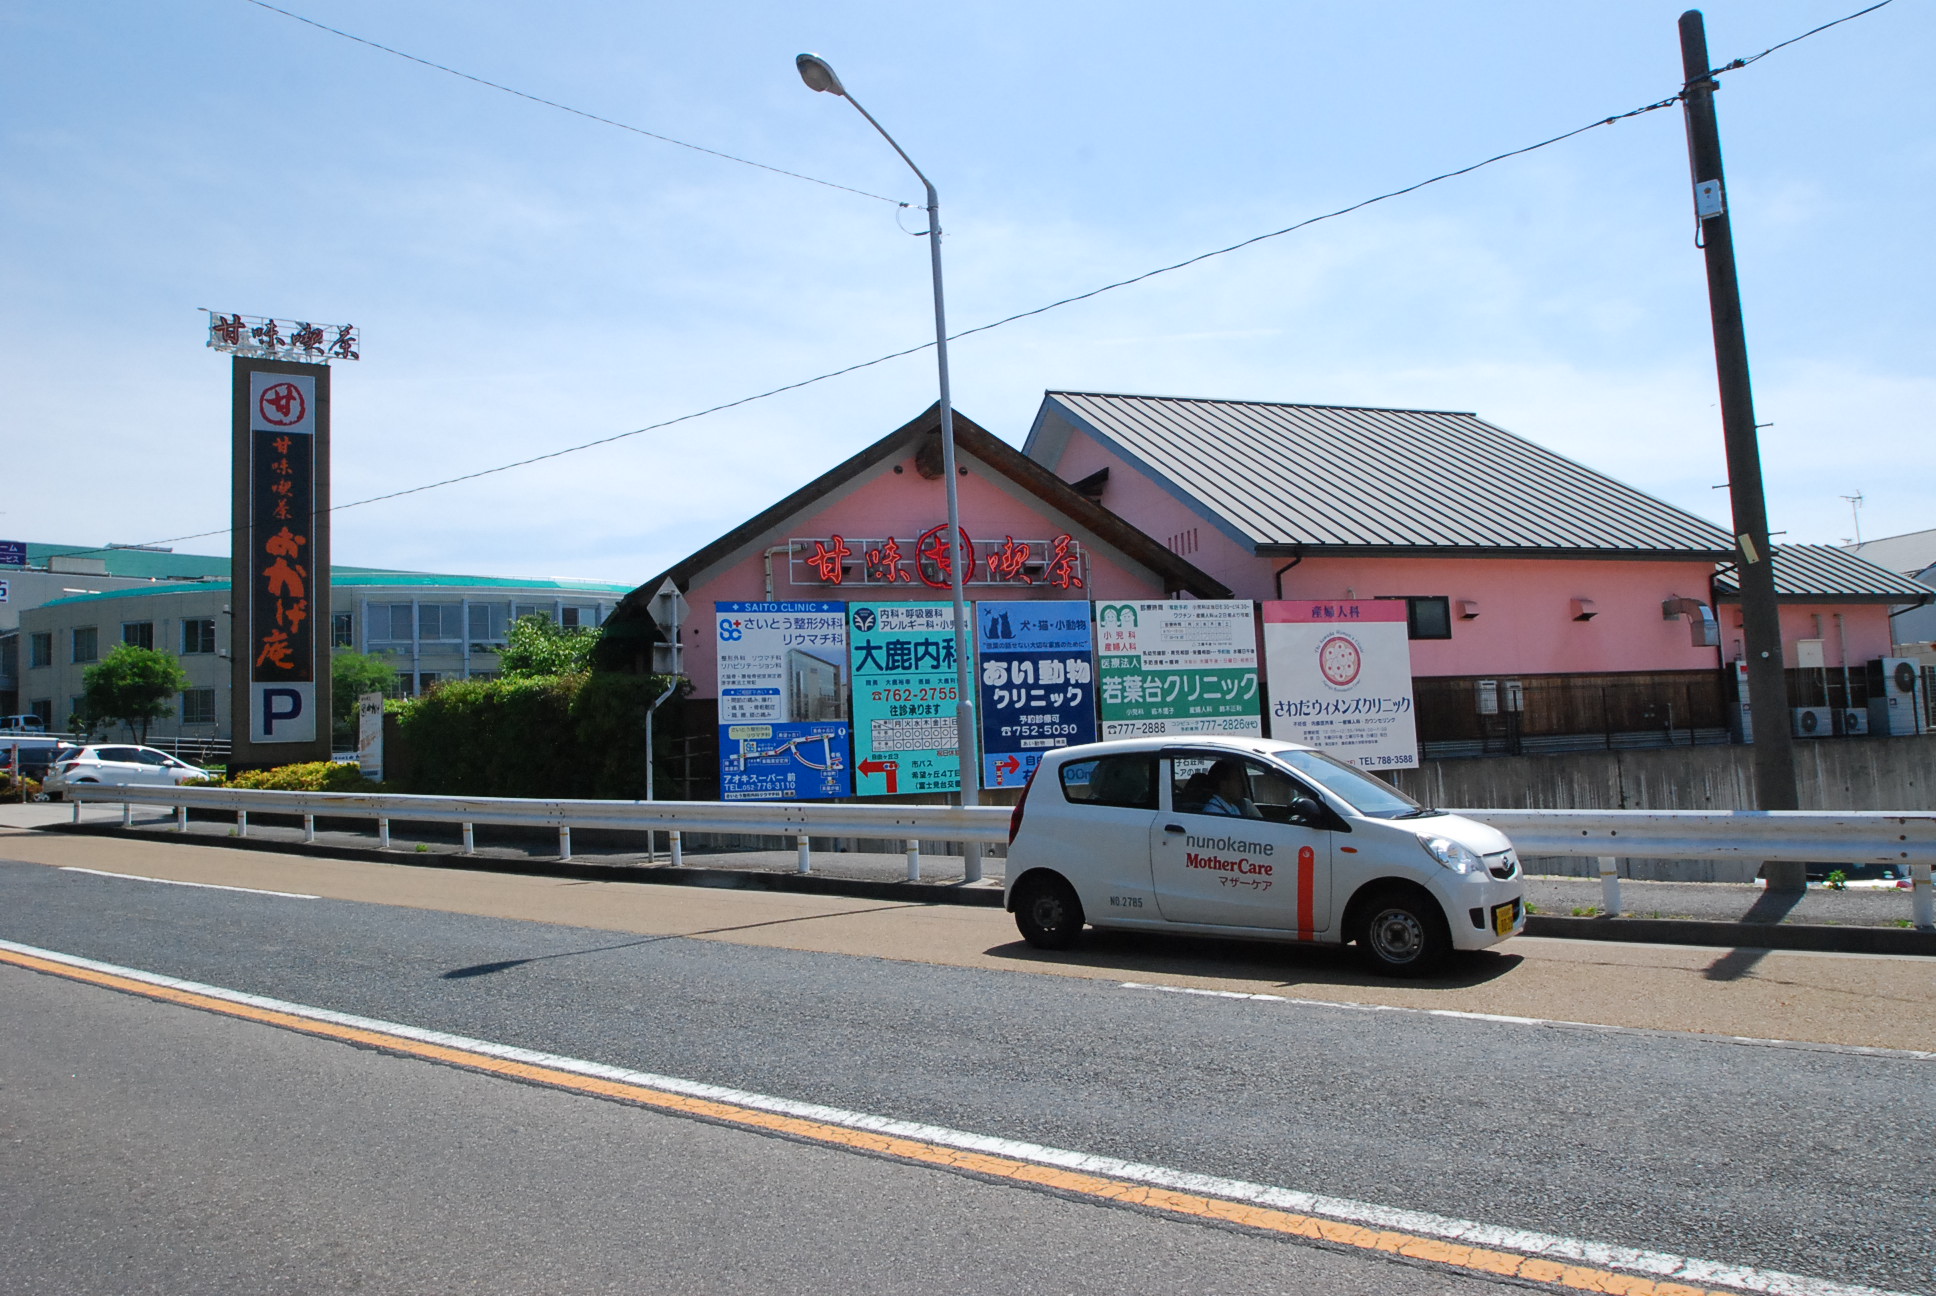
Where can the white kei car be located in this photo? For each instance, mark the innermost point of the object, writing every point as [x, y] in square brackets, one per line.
[117, 764]
[1255, 838]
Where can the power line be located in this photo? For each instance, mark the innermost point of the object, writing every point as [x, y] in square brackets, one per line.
[576, 112]
[1019, 315]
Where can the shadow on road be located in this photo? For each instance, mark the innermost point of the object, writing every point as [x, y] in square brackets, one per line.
[1289, 966]
[505, 965]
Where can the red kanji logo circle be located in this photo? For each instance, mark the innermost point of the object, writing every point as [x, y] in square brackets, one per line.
[282, 405]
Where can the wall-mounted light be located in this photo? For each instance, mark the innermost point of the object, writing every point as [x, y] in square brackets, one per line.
[1583, 610]
[1468, 609]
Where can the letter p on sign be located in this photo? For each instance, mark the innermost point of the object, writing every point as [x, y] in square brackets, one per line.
[282, 713]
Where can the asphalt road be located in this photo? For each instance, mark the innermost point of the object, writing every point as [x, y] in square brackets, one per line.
[1812, 1160]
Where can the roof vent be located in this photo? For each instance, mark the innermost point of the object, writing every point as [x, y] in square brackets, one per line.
[1091, 487]
[1583, 610]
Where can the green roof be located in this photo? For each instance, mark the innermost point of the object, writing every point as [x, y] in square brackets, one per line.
[140, 564]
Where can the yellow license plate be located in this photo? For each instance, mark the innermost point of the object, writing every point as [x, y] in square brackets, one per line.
[1503, 916]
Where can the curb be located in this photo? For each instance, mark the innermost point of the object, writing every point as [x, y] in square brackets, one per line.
[950, 893]
[1817, 937]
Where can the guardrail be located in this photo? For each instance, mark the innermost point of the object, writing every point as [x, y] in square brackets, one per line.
[1812, 836]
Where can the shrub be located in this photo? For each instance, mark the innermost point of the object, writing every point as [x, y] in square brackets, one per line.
[13, 789]
[312, 776]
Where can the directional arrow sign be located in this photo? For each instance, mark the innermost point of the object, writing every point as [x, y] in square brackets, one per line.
[890, 768]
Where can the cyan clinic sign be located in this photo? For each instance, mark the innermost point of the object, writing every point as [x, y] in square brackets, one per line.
[905, 735]
[1036, 667]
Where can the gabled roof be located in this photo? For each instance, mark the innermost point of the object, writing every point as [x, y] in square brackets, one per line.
[970, 438]
[1909, 553]
[1830, 574]
[1287, 479]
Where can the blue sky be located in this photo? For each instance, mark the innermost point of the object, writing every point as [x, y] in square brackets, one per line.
[527, 280]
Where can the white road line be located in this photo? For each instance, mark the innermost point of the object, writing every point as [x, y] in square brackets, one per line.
[1860, 1050]
[1550, 1246]
[206, 886]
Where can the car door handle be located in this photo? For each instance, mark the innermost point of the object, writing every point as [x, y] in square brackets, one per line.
[1172, 827]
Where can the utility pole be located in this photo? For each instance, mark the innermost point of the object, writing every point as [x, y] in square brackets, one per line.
[1774, 754]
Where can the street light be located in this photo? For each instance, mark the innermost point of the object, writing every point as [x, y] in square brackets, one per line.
[819, 75]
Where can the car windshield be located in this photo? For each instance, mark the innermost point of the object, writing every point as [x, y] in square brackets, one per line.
[1371, 797]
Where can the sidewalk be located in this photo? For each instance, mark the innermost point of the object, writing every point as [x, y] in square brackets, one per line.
[1742, 902]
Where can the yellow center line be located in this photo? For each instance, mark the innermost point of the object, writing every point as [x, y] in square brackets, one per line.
[1102, 1188]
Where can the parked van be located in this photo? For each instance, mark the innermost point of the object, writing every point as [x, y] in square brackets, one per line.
[1255, 838]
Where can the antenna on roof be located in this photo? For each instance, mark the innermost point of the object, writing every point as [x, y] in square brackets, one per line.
[1855, 511]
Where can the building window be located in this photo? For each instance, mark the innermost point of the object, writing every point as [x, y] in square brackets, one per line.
[521, 610]
[487, 626]
[1428, 618]
[427, 680]
[440, 621]
[40, 651]
[198, 706]
[341, 631]
[87, 643]
[139, 633]
[393, 622]
[44, 708]
[198, 635]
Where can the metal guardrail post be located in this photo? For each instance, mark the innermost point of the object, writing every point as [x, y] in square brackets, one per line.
[914, 859]
[806, 855]
[383, 834]
[677, 848]
[470, 841]
[564, 841]
[77, 812]
[181, 818]
[241, 823]
[1610, 885]
[127, 814]
[1922, 903]
[309, 828]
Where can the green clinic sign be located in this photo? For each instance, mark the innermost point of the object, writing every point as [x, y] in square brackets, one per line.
[1181, 666]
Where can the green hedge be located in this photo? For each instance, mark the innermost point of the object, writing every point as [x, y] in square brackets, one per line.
[312, 776]
[580, 735]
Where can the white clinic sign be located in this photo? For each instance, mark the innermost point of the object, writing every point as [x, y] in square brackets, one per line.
[1340, 677]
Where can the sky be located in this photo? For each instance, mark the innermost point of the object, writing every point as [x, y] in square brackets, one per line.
[526, 279]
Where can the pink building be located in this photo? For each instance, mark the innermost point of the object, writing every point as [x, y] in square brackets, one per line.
[1548, 604]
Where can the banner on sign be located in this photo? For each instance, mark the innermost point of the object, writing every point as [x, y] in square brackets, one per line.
[783, 731]
[1341, 680]
[287, 590]
[1183, 666]
[905, 689]
[1036, 665]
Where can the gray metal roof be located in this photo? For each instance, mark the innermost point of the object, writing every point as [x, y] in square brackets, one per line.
[1910, 553]
[1283, 477]
[1831, 574]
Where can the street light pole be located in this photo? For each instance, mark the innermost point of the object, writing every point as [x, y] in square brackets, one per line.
[819, 75]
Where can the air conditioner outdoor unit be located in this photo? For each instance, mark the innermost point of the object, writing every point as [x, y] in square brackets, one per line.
[1854, 721]
[1814, 722]
[1894, 683]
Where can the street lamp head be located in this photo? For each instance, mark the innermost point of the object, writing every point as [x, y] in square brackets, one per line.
[818, 74]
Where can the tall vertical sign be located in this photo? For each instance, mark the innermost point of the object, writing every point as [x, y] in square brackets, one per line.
[279, 565]
[905, 685]
[1341, 680]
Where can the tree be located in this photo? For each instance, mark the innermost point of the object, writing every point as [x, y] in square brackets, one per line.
[131, 686]
[352, 674]
[537, 648]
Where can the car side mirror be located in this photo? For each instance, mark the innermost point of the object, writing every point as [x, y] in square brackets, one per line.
[1305, 810]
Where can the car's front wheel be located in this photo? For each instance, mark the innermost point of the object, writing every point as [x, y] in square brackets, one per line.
[1402, 933]
[1047, 912]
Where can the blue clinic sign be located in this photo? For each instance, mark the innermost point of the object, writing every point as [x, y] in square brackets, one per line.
[1037, 671]
[783, 731]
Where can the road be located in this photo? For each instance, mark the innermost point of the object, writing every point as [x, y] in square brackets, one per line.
[151, 1143]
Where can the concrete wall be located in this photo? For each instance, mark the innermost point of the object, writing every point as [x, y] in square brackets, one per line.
[1838, 774]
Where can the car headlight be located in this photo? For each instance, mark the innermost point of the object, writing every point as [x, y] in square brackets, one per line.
[1460, 859]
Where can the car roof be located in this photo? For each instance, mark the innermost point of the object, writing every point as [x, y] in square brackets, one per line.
[1234, 743]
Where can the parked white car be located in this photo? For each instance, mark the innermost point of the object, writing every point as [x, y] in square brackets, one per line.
[1255, 838]
[118, 764]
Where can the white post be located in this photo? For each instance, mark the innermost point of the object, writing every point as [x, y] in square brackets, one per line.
[564, 841]
[806, 856]
[309, 828]
[241, 823]
[127, 814]
[1920, 897]
[77, 812]
[383, 834]
[1610, 885]
[678, 849]
[914, 859]
[470, 842]
[181, 817]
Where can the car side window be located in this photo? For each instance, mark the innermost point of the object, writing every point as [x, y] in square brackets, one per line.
[1233, 787]
[1127, 781]
[147, 757]
[117, 754]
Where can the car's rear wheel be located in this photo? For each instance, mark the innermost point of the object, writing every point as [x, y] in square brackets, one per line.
[1047, 912]
[1403, 934]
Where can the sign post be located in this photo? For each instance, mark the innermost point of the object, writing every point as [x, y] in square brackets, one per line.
[279, 690]
[1037, 673]
[1341, 680]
